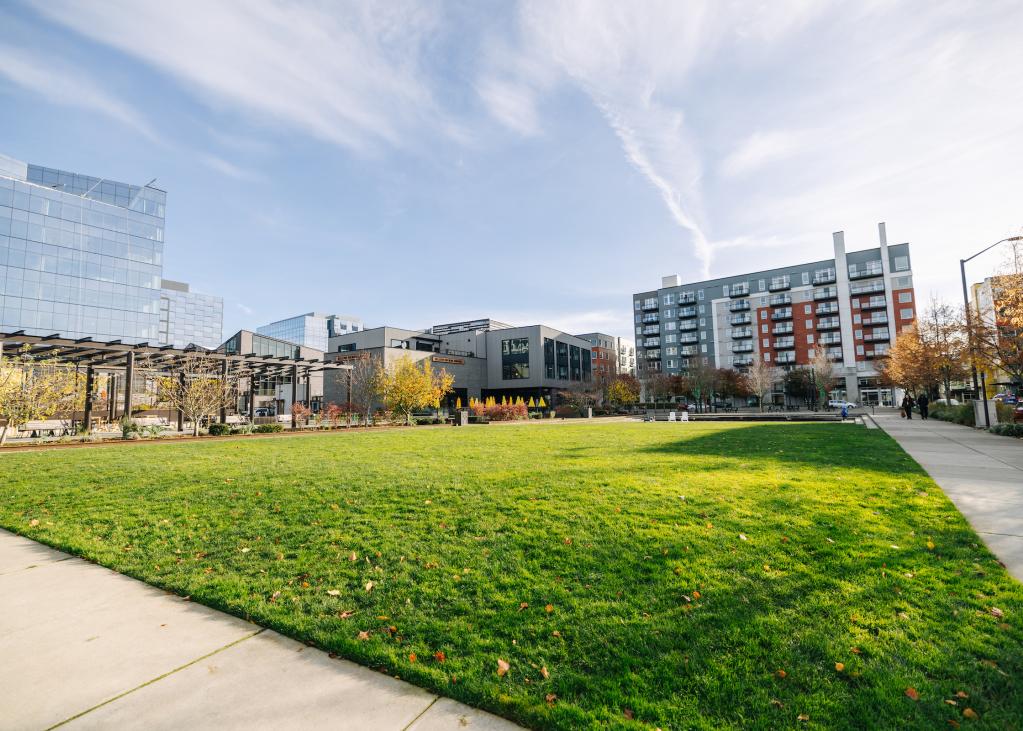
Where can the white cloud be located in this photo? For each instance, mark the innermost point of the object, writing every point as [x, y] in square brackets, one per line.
[225, 167]
[757, 150]
[350, 78]
[62, 85]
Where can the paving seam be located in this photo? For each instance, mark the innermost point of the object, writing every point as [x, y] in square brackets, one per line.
[157, 678]
[422, 713]
[37, 565]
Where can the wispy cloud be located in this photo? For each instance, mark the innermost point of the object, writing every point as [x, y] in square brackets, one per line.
[351, 78]
[61, 84]
[215, 162]
[757, 150]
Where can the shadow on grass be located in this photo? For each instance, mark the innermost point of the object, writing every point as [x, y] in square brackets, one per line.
[823, 445]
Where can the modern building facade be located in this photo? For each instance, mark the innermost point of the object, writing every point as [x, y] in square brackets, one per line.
[82, 256]
[189, 318]
[853, 304]
[312, 329]
[271, 393]
[612, 355]
[495, 360]
[985, 307]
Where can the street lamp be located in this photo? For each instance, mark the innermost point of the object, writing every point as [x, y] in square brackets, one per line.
[966, 306]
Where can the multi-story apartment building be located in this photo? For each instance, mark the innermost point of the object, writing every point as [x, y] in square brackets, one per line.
[611, 355]
[82, 256]
[853, 304]
[987, 307]
[494, 360]
[312, 329]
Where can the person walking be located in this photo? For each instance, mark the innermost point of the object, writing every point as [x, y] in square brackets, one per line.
[922, 402]
[907, 406]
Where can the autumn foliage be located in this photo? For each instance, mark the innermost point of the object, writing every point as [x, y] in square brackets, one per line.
[500, 412]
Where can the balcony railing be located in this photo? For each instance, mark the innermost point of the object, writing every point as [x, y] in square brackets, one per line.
[650, 305]
[877, 318]
[739, 290]
[653, 355]
[829, 323]
[784, 343]
[782, 328]
[834, 354]
[830, 339]
[779, 283]
[742, 332]
[687, 325]
[742, 362]
[779, 300]
[742, 347]
[686, 298]
[688, 350]
[685, 312]
[877, 336]
[652, 343]
[743, 319]
[824, 276]
[688, 338]
[738, 306]
[870, 269]
[785, 358]
[785, 314]
[867, 288]
[651, 330]
[828, 308]
[825, 293]
[652, 317]
[874, 303]
[877, 352]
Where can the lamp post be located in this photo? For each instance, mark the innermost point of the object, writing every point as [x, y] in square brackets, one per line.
[966, 306]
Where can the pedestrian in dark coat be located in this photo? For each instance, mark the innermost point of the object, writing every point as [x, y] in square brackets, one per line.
[922, 402]
[907, 406]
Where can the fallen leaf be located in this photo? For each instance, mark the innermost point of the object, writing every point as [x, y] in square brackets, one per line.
[427, 502]
[839, 666]
[996, 612]
[953, 723]
[369, 586]
[687, 598]
[439, 656]
[364, 635]
[345, 614]
[556, 633]
[544, 673]
[856, 651]
[246, 550]
[412, 657]
[780, 673]
[628, 713]
[353, 556]
[970, 713]
[961, 694]
[502, 668]
[930, 545]
[696, 595]
[912, 694]
[777, 703]
[333, 592]
[306, 584]
[550, 698]
[830, 540]
[549, 608]
[742, 537]
[523, 605]
[802, 717]
[952, 702]
[34, 522]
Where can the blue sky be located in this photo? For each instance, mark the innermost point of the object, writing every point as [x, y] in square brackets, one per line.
[418, 162]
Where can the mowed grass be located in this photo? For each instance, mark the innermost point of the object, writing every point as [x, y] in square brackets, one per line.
[632, 575]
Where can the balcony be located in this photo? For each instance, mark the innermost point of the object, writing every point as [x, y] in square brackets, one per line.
[740, 333]
[785, 358]
[739, 290]
[877, 336]
[653, 354]
[783, 328]
[878, 318]
[879, 351]
[742, 362]
[824, 276]
[649, 305]
[742, 347]
[825, 293]
[834, 354]
[690, 338]
[784, 343]
[686, 298]
[828, 308]
[688, 350]
[685, 312]
[870, 269]
[687, 325]
[867, 288]
[744, 319]
[830, 339]
[777, 284]
[784, 314]
[651, 330]
[829, 323]
[652, 317]
[738, 306]
[652, 343]
[780, 299]
[874, 303]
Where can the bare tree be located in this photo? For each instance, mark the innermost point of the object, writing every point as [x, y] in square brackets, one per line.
[364, 387]
[943, 332]
[823, 370]
[197, 388]
[761, 377]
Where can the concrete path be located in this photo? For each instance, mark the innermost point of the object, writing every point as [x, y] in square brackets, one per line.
[83, 647]
[980, 472]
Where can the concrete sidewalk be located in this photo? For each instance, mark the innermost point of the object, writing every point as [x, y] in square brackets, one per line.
[83, 647]
[980, 472]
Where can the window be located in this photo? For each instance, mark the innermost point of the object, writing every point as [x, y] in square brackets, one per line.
[577, 370]
[548, 356]
[905, 297]
[763, 314]
[515, 359]
[806, 277]
[906, 313]
[637, 304]
[701, 309]
[807, 309]
[703, 322]
[670, 325]
[901, 263]
[808, 324]
[859, 335]
[703, 348]
[724, 290]
[763, 328]
[767, 357]
[671, 351]
[562, 361]
[767, 342]
[668, 299]
[857, 318]
[902, 282]
[670, 338]
[859, 350]
[809, 338]
[699, 294]
[587, 365]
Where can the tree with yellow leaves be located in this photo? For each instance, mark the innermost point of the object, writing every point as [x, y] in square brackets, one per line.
[407, 386]
[36, 387]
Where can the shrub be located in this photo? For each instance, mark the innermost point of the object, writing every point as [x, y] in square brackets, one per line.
[962, 414]
[1008, 430]
[268, 428]
[129, 429]
[566, 412]
[219, 430]
[245, 428]
[501, 412]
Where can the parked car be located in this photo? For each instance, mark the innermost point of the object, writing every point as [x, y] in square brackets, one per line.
[840, 403]
[1017, 414]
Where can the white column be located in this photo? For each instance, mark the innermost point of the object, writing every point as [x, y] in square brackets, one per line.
[886, 268]
[845, 318]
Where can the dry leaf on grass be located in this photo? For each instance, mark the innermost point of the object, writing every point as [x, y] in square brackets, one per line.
[780, 673]
[439, 656]
[970, 713]
[333, 592]
[912, 694]
[839, 666]
[996, 612]
[364, 635]
[550, 698]
[502, 668]
[544, 673]
[549, 608]
[369, 586]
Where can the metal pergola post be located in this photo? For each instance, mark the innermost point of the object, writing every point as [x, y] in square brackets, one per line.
[224, 367]
[294, 395]
[129, 375]
[90, 386]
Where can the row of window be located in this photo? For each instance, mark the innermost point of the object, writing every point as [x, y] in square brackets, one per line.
[562, 361]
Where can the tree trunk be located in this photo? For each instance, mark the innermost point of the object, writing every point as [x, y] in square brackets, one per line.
[3, 435]
[195, 427]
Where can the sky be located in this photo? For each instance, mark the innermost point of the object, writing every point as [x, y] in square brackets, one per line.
[415, 163]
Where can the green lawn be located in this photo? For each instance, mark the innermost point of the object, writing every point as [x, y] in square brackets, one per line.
[686, 575]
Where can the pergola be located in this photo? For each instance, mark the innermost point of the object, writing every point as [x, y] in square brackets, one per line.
[117, 358]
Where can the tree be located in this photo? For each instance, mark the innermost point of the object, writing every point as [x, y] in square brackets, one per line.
[36, 387]
[364, 393]
[198, 388]
[996, 332]
[703, 380]
[943, 333]
[823, 371]
[731, 383]
[761, 378]
[799, 384]
[623, 390]
[407, 386]
[657, 387]
[909, 363]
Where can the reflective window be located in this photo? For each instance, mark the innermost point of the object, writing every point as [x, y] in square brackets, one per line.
[515, 358]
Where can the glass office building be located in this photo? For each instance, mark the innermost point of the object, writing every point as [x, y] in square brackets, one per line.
[311, 329]
[79, 256]
[188, 317]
